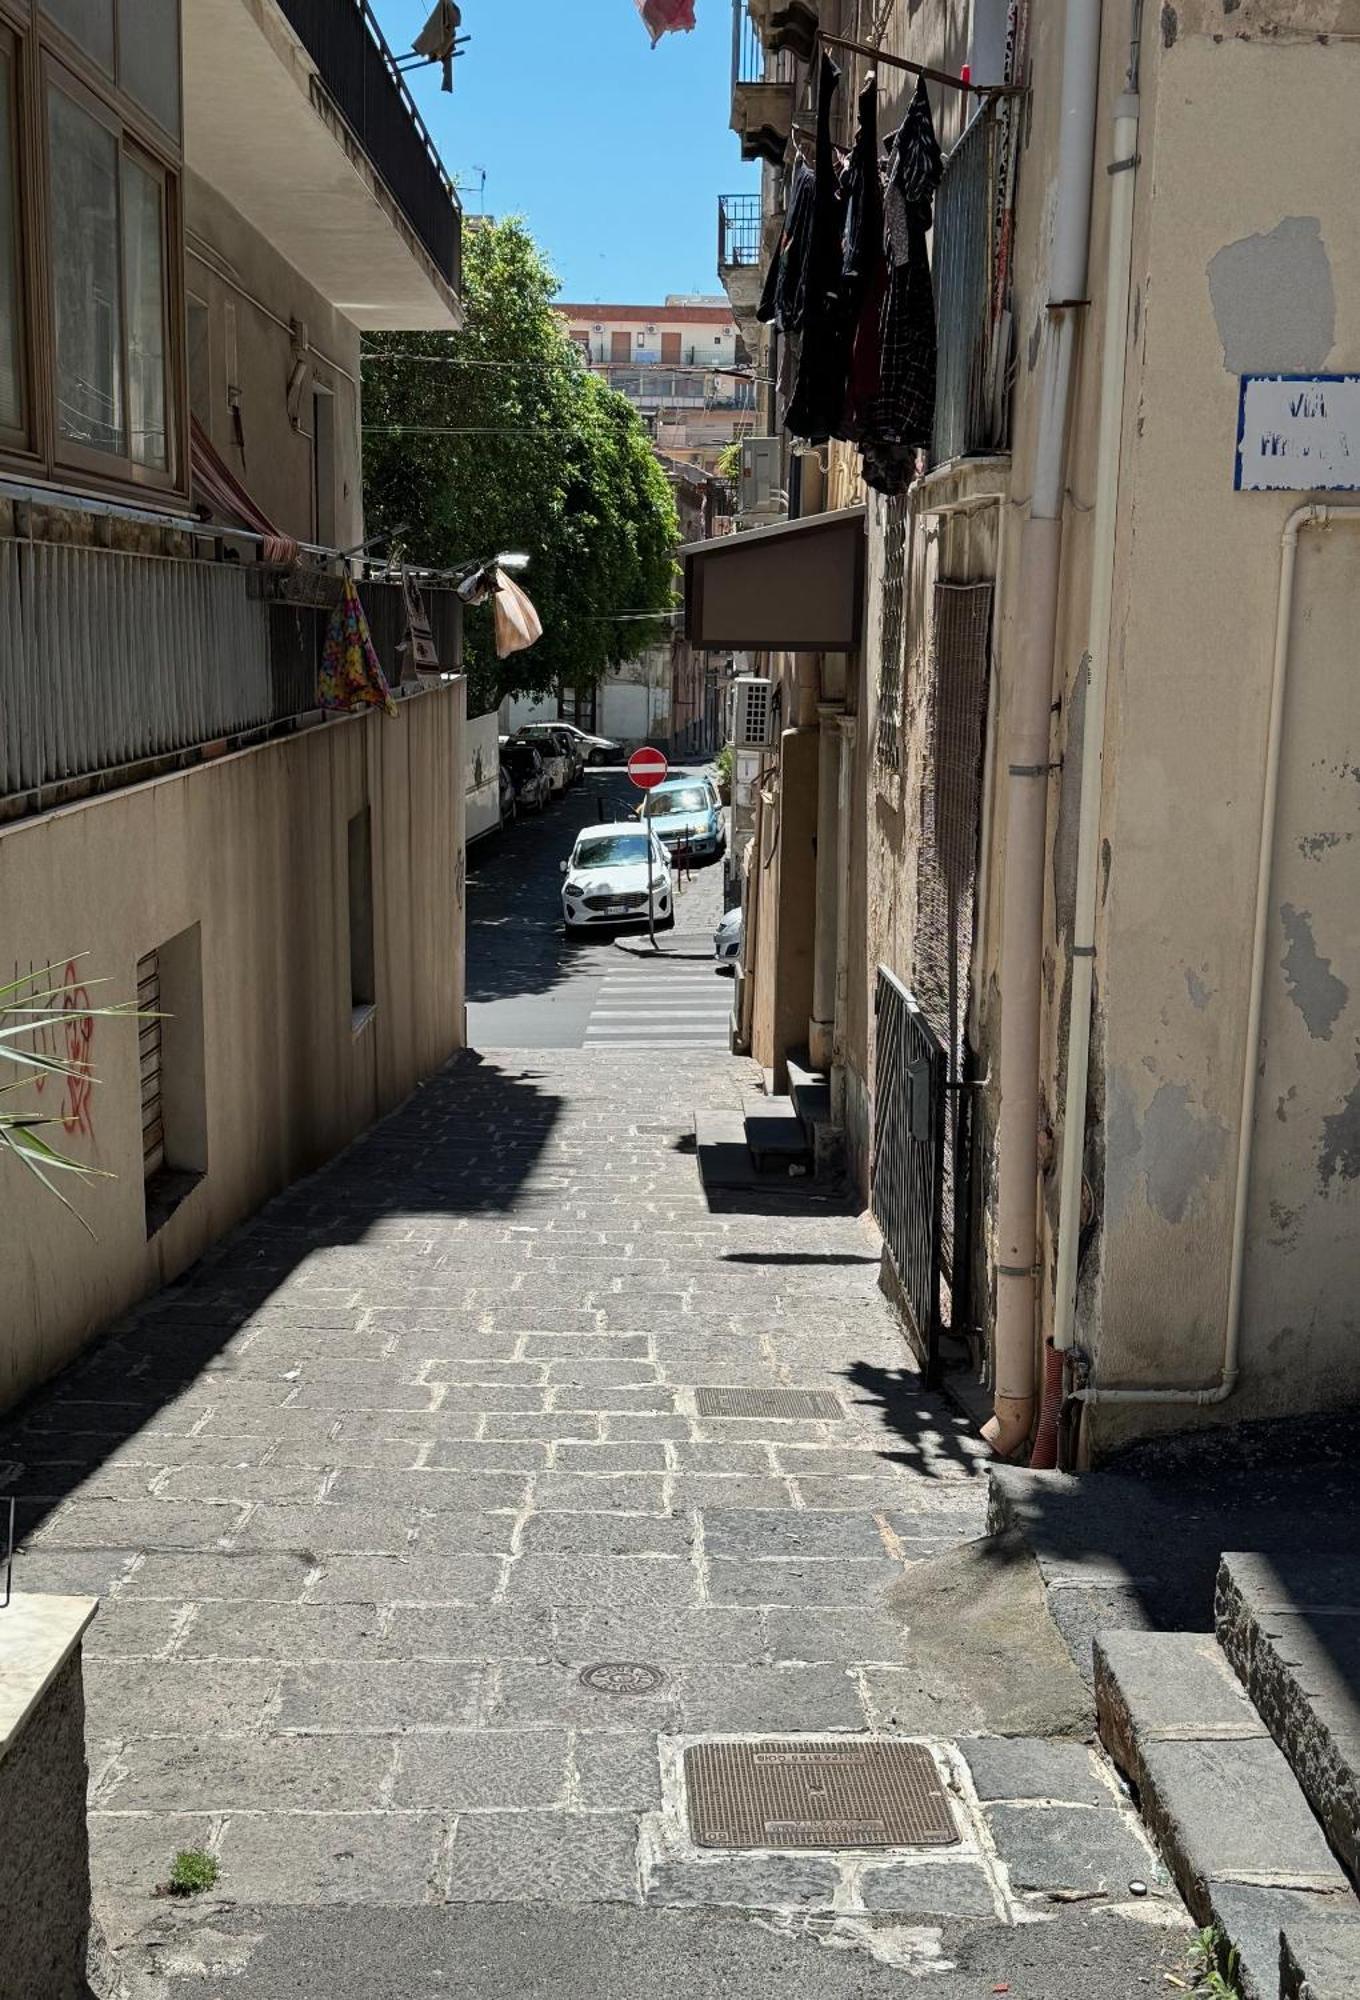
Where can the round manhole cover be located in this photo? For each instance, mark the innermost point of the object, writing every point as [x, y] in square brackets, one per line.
[622, 1677]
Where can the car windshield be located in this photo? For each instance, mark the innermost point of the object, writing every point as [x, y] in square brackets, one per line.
[611, 850]
[520, 757]
[684, 799]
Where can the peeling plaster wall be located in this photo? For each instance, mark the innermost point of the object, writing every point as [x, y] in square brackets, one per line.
[1247, 259]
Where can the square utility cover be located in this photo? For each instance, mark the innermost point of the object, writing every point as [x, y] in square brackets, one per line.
[813, 1792]
[780, 1405]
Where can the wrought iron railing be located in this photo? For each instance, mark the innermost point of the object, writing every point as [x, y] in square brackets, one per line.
[361, 77]
[739, 230]
[911, 1069]
[751, 61]
[111, 662]
[970, 294]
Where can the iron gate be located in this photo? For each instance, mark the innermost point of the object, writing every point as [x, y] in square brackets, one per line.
[911, 1071]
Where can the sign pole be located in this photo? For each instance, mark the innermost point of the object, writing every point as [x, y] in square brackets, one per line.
[647, 768]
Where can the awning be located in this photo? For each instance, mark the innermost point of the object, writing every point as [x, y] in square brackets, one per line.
[796, 587]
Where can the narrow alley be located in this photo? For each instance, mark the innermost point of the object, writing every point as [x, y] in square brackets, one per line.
[438, 1512]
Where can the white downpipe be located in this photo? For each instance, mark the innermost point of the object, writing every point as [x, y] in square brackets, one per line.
[1311, 515]
[1028, 750]
[1119, 265]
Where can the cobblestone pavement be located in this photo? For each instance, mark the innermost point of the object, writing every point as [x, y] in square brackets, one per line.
[366, 1493]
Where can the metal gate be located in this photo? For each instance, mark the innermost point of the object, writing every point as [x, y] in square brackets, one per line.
[911, 1071]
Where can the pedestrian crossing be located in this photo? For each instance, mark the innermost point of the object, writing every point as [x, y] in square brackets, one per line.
[661, 1004]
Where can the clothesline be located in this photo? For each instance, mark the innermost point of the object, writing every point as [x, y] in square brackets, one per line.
[943, 76]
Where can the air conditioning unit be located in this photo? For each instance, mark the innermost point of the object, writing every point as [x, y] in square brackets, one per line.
[752, 712]
[758, 488]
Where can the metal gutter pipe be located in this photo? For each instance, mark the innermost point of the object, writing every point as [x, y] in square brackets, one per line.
[1312, 514]
[1123, 172]
[1028, 748]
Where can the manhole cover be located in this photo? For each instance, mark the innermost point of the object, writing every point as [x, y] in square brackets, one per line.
[813, 1793]
[777, 1403]
[622, 1677]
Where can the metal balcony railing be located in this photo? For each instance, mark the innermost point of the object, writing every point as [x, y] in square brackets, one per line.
[751, 62]
[110, 661]
[686, 386]
[739, 230]
[360, 75]
[971, 325]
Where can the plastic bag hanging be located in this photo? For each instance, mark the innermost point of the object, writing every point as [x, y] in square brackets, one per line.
[517, 625]
[351, 675]
[666, 17]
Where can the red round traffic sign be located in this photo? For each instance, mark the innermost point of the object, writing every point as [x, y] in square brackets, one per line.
[647, 767]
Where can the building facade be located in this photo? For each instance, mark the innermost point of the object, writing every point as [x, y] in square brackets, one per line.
[202, 209]
[1056, 829]
[681, 365]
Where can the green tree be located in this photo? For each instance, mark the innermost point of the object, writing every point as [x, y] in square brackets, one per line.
[498, 437]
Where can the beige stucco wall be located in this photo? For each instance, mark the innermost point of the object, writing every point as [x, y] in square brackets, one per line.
[252, 849]
[1251, 264]
[229, 266]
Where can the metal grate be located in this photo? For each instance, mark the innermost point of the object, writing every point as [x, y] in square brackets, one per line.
[783, 1405]
[149, 1049]
[808, 1793]
[739, 230]
[910, 1073]
[963, 623]
[892, 601]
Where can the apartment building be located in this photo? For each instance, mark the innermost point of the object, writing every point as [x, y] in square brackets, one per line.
[1057, 817]
[680, 364]
[202, 210]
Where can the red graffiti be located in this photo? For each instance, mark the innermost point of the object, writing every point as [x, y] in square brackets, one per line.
[73, 1044]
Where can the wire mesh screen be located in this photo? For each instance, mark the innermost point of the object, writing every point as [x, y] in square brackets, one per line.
[910, 1071]
[892, 602]
[962, 632]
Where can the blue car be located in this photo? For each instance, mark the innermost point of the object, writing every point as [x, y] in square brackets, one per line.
[685, 813]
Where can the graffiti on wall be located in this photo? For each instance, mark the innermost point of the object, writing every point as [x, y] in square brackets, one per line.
[69, 1039]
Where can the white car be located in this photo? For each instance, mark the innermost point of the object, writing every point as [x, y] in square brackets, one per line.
[606, 878]
[556, 765]
[594, 749]
[727, 939]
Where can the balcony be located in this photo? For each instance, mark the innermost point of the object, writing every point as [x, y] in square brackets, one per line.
[660, 387]
[972, 291]
[296, 114]
[762, 91]
[740, 235]
[117, 667]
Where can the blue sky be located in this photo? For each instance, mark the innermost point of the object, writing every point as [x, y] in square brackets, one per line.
[614, 153]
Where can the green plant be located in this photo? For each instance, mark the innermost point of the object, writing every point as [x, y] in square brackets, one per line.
[729, 461]
[499, 437]
[36, 1019]
[1212, 1964]
[191, 1872]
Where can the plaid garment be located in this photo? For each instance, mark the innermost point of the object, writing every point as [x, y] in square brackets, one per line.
[902, 417]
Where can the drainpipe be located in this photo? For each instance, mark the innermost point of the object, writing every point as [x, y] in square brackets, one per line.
[1022, 929]
[1310, 515]
[1118, 270]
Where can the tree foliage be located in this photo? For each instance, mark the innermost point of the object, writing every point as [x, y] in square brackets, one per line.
[498, 437]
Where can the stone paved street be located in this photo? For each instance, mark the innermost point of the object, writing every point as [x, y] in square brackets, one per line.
[366, 1494]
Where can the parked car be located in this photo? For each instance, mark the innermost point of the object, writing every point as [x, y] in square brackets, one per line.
[594, 749]
[685, 813]
[554, 761]
[606, 878]
[727, 940]
[507, 795]
[554, 739]
[529, 776]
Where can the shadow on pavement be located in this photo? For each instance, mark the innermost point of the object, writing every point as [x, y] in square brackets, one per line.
[463, 1144]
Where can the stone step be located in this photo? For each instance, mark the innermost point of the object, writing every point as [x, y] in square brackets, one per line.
[1317, 1961]
[1218, 1794]
[724, 1157]
[1290, 1625]
[810, 1091]
[775, 1135]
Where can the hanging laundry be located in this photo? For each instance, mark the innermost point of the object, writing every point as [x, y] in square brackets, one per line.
[901, 418]
[517, 625]
[351, 675]
[666, 17]
[438, 39]
[417, 652]
[864, 264]
[818, 400]
[781, 300]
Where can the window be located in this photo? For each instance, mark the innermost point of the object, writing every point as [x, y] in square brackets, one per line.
[200, 362]
[170, 1050]
[362, 990]
[148, 57]
[109, 288]
[89, 23]
[11, 319]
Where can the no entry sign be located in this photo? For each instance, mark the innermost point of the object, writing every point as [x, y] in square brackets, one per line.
[647, 767]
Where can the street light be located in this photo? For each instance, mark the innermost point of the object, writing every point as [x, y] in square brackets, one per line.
[513, 559]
